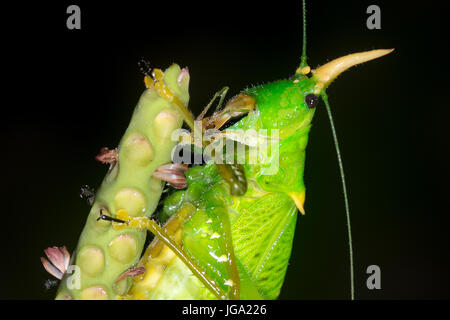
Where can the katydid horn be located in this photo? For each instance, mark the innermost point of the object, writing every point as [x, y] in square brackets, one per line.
[328, 72]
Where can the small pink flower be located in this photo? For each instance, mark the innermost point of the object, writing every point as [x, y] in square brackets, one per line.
[173, 173]
[59, 261]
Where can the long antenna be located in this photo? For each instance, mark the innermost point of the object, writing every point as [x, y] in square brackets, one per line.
[344, 189]
[303, 62]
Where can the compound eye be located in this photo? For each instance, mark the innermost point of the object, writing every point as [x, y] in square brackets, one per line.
[311, 100]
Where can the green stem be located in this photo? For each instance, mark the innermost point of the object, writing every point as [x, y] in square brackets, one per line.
[103, 254]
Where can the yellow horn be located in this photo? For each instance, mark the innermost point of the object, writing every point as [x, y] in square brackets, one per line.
[328, 72]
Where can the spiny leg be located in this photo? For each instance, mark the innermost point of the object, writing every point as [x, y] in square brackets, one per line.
[172, 225]
[155, 258]
[222, 93]
[156, 82]
[238, 106]
[162, 235]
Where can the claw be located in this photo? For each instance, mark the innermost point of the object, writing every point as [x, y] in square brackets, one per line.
[239, 106]
[108, 218]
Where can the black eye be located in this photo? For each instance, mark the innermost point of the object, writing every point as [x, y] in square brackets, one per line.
[311, 100]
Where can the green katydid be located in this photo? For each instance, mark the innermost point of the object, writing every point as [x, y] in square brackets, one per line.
[228, 234]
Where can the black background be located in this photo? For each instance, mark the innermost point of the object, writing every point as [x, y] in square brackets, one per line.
[72, 92]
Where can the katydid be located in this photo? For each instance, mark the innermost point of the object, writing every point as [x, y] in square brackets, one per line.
[227, 234]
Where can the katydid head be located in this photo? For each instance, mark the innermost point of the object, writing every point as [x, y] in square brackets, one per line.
[286, 105]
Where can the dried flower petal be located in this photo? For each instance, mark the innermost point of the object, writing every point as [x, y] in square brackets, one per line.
[173, 173]
[66, 257]
[51, 269]
[131, 273]
[56, 257]
[58, 261]
[107, 156]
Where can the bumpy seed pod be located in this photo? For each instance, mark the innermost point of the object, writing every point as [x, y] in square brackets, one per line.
[104, 254]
